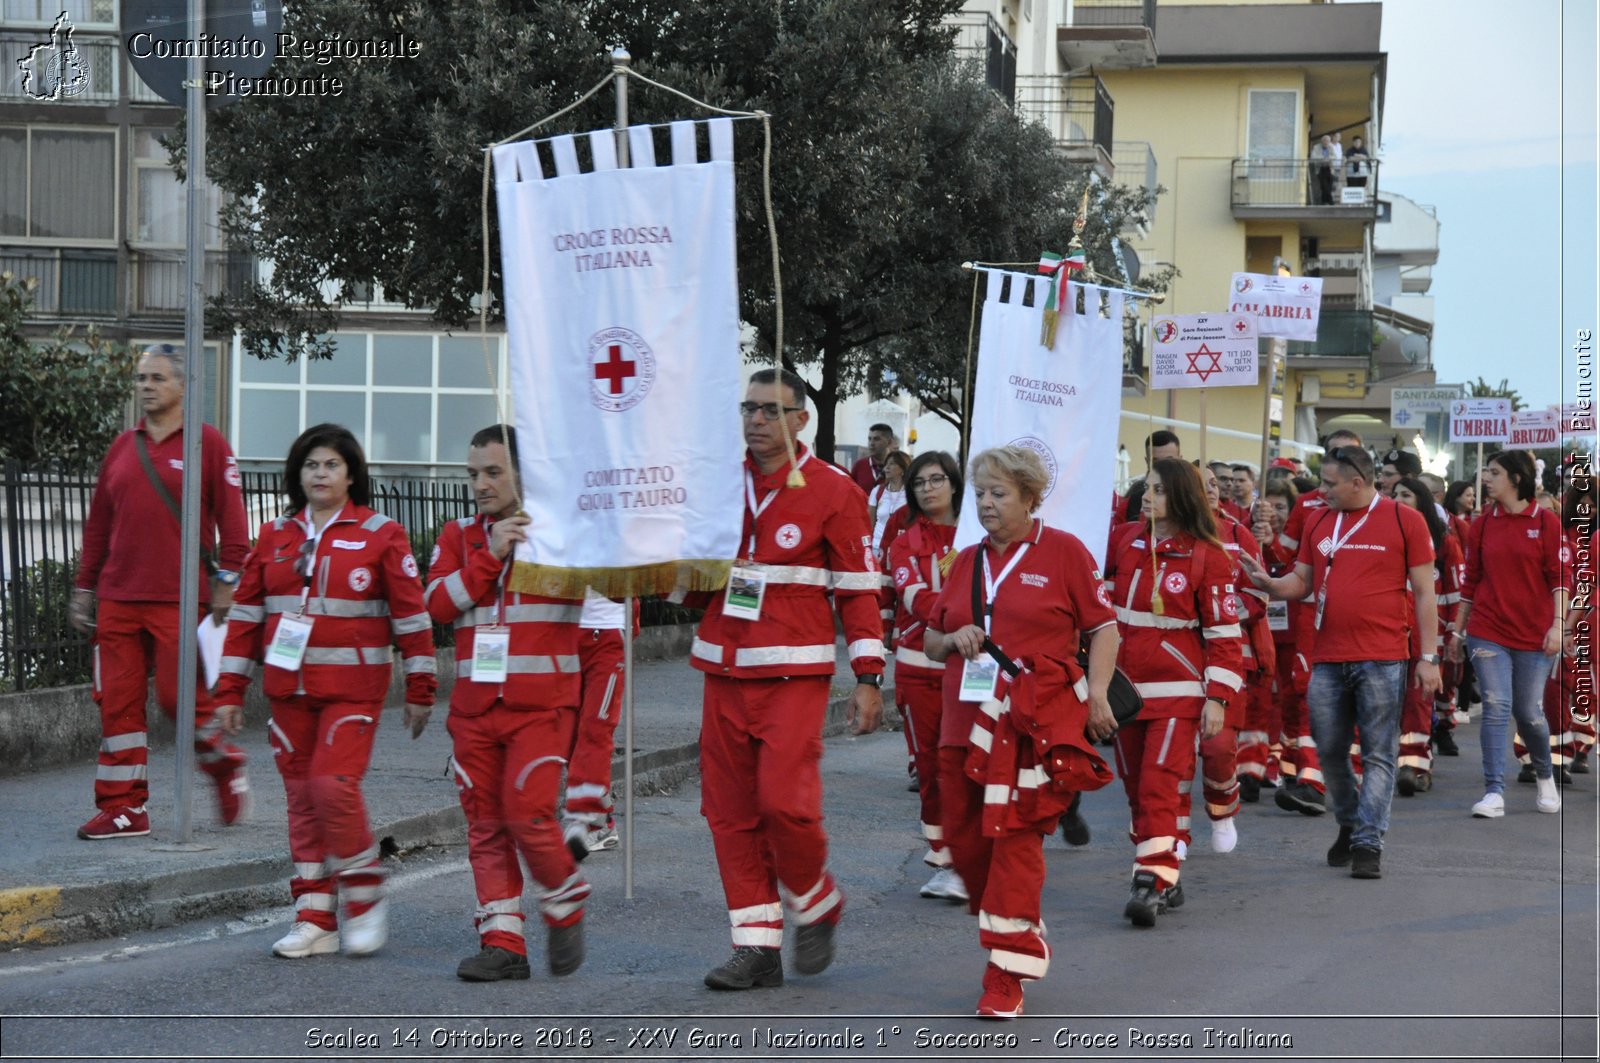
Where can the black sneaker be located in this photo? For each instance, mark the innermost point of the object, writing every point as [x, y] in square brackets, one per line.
[1173, 897]
[1339, 851]
[1444, 741]
[564, 948]
[1405, 781]
[813, 947]
[1146, 900]
[913, 784]
[1424, 781]
[1074, 828]
[748, 968]
[1249, 789]
[1580, 763]
[493, 964]
[1562, 775]
[1301, 797]
[1526, 774]
[1364, 862]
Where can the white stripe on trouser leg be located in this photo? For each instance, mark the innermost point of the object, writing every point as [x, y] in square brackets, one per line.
[1154, 846]
[506, 924]
[565, 899]
[306, 869]
[1004, 924]
[358, 862]
[1183, 823]
[1166, 740]
[119, 743]
[756, 913]
[806, 907]
[527, 769]
[605, 702]
[1020, 963]
[361, 894]
[1185, 786]
[315, 902]
[1167, 875]
[586, 790]
[761, 937]
[283, 740]
[122, 773]
[932, 832]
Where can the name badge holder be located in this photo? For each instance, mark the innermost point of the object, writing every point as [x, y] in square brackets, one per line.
[293, 635]
[981, 674]
[1278, 616]
[491, 643]
[747, 589]
[978, 678]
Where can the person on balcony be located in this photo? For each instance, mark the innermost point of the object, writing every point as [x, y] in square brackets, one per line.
[1322, 170]
[1357, 164]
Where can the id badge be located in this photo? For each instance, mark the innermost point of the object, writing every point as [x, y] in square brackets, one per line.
[747, 586]
[1322, 600]
[289, 642]
[978, 677]
[1277, 616]
[491, 651]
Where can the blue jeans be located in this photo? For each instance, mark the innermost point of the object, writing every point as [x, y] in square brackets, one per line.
[1512, 684]
[1342, 697]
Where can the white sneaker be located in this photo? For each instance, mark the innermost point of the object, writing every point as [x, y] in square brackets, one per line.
[945, 885]
[366, 933]
[602, 839]
[1224, 836]
[1493, 806]
[1549, 799]
[1183, 850]
[306, 939]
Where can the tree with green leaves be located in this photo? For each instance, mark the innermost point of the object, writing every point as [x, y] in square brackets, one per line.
[1482, 389]
[65, 399]
[891, 163]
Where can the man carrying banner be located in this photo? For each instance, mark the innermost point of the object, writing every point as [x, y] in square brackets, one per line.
[766, 645]
[512, 714]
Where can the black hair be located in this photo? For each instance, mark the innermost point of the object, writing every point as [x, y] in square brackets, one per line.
[1519, 466]
[1303, 484]
[1452, 496]
[881, 427]
[1135, 500]
[1430, 513]
[1161, 438]
[1340, 433]
[335, 437]
[492, 434]
[791, 380]
[948, 465]
[1354, 459]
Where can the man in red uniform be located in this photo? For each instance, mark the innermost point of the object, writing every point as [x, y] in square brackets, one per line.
[766, 645]
[1357, 557]
[512, 715]
[131, 551]
[867, 472]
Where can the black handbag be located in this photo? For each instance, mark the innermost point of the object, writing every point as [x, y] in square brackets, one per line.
[1121, 694]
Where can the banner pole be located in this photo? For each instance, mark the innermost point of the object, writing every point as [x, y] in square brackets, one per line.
[1477, 482]
[1204, 431]
[1266, 410]
[620, 61]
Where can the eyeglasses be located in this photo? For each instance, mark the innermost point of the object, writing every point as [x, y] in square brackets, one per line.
[929, 483]
[306, 562]
[769, 410]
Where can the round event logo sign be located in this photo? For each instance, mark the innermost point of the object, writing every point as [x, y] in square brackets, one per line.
[622, 369]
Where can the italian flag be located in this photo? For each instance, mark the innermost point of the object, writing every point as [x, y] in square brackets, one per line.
[1049, 262]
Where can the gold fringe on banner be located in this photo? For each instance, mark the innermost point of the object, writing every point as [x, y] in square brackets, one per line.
[640, 581]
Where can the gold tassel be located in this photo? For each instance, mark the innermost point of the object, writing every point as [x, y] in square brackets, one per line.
[1047, 331]
[946, 562]
[697, 574]
[1155, 604]
[796, 478]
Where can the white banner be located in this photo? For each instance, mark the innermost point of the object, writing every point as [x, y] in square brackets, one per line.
[1062, 403]
[1480, 420]
[1531, 429]
[622, 316]
[1287, 307]
[1204, 351]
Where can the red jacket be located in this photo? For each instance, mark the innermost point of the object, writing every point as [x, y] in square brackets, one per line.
[810, 540]
[464, 591]
[914, 565]
[131, 541]
[363, 596]
[1189, 653]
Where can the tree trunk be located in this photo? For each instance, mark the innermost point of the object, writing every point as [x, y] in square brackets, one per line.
[827, 395]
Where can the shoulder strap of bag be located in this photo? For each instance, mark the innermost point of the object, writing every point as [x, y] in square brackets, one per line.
[1011, 667]
[166, 496]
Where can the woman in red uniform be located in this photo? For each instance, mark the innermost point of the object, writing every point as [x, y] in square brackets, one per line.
[323, 595]
[1416, 717]
[918, 561]
[1511, 621]
[1039, 595]
[1175, 594]
[1280, 496]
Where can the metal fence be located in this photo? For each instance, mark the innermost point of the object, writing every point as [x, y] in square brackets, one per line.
[1305, 183]
[41, 533]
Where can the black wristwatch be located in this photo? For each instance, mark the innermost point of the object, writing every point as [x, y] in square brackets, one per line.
[869, 680]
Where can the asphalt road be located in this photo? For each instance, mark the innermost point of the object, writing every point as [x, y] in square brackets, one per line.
[1478, 942]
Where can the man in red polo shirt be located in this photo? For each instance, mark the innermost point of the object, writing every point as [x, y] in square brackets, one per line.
[132, 546]
[1356, 558]
[867, 472]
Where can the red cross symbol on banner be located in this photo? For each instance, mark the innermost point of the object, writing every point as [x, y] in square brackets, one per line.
[1241, 326]
[1204, 372]
[615, 369]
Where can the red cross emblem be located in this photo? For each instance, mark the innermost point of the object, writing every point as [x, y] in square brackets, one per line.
[1240, 326]
[615, 369]
[1207, 370]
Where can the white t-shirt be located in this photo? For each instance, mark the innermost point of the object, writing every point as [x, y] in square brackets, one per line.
[887, 502]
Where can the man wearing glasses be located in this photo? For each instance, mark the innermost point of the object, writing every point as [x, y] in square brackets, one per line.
[766, 645]
[1355, 560]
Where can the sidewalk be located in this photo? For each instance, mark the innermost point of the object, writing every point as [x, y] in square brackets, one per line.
[56, 888]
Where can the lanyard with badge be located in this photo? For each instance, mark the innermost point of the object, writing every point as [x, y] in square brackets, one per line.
[747, 581]
[1333, 549]
[491, 643]
[293, 634]
[980, 674]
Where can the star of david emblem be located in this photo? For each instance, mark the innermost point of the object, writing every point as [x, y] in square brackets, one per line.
[1209, 368]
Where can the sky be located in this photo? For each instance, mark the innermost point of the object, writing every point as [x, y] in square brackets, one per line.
[1490, 118]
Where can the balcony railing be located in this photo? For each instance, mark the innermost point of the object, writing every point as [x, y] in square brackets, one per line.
[1340, 333]
[1305, 183]
[980, 39]
[70, 281]
[1135, 167]
[1077, 111]
[1109, 13]
[98, 60]
[158, 278]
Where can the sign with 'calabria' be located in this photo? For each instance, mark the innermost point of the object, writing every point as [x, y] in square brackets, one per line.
[1284, 307]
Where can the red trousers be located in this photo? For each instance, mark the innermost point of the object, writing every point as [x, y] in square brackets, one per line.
[589, 763]
[1416, 729]
[130, 639]
[1263, 721]
[1004, 874]
[921, 703]
[1300, 749]
[1156, 761]
[507, 764]
[1219, 773]
[761, 795]
[322, 750]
